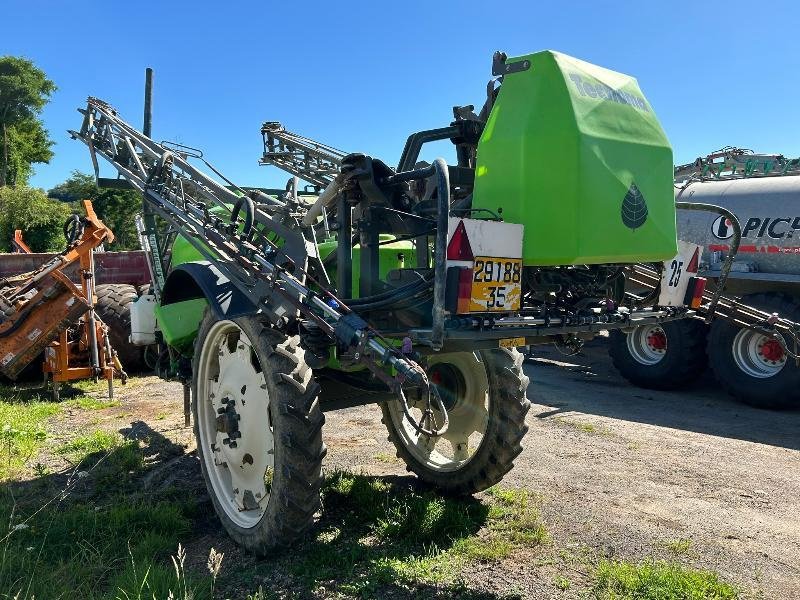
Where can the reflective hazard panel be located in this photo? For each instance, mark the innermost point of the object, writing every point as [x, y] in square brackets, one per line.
[487, 256]
[677, 273]
[496, 284]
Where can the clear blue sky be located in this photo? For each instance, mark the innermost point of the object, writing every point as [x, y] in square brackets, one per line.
[363, 75]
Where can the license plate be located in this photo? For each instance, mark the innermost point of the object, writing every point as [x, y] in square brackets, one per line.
[512, 342]
[496, 284]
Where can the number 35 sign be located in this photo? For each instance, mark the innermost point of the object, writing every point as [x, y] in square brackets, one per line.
[677, 272]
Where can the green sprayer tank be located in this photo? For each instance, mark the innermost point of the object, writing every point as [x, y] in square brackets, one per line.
[576, 154]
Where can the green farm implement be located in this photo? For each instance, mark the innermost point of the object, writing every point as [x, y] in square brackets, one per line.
[420, 279]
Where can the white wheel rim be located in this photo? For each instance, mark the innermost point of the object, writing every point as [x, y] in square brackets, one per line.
[647, 344]
[468, 413]
[758, 355]
[238, 468]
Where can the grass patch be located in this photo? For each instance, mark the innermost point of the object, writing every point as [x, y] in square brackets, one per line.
[584, 426]
[562, 583]
[97, 441]
[22, 430]
[618, 580]
[679, 546]
[386, 457]
[118, 549]
[514, 516]
[112, 459]
[94, 537]
[91, 403]
[381, 533]
[477, 549]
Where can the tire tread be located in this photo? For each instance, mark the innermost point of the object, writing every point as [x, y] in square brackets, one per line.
[294, 394]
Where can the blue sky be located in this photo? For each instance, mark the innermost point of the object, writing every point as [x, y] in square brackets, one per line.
[362, 76]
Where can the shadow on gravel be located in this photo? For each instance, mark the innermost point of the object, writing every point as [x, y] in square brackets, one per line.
[588, 383]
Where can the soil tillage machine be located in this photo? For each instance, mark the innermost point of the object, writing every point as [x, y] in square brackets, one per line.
[420, 279]
[44, 311]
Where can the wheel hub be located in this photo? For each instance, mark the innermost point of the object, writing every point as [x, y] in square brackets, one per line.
[228, 422]
[772, 351]
[647, 344]
[449, 383]
[235, 424]
[657, 340]
[462, 383]
[758, 355]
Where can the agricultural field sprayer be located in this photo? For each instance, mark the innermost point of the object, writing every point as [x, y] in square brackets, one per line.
[420, 279]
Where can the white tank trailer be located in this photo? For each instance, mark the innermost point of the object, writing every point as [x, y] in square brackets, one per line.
[765, 274]
[768, 209]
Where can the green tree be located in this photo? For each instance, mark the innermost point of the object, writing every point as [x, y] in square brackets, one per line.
[40, 219]
[24, 91]
[116, 208]
[28, 143]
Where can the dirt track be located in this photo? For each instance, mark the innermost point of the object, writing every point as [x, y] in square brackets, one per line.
[622, 472]
[627, 473]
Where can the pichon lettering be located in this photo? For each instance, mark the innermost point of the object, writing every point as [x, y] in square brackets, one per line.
[775, 228]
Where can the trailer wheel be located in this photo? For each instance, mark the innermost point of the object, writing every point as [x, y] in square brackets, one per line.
[484, 393]
[114, 309]
[664, 356]
[752, 367]
[258, 426]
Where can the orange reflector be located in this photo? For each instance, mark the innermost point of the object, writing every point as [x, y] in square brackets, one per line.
[694, 292]
[459, 247]
[464, 290]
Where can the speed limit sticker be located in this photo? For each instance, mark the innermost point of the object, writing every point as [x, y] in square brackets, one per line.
[677, 272]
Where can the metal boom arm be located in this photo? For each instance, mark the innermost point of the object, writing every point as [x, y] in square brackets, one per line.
[303, 157]
[273, 276]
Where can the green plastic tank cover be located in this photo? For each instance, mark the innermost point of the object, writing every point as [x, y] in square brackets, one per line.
[575, 153]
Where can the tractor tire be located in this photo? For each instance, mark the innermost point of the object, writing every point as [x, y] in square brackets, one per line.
[666, 356]
[114, 309]
[750, 366]
[258, 426]
[485, 395]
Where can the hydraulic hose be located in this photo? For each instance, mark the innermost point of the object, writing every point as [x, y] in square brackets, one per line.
[733, 249]
[439, 169]
[406, 290]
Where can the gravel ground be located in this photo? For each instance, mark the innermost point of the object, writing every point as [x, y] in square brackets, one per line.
[622, 472]
[627, 473]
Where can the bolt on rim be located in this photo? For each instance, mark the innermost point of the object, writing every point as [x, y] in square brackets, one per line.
[234, 424]
[647, 344]
[463, 385]
[758, 355]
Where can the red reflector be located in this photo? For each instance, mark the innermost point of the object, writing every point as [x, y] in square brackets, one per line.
[694, 292]
[694, 264]
[699, 289]
[464, 291]
[459, 247]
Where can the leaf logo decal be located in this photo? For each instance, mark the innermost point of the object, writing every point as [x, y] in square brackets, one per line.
[634, 208]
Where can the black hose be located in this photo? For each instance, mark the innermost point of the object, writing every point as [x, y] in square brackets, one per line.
[400, 293]
[439, 256]
[438, 168]
[249, 214]
[732, 250]
[73, 229]
[396, 303]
